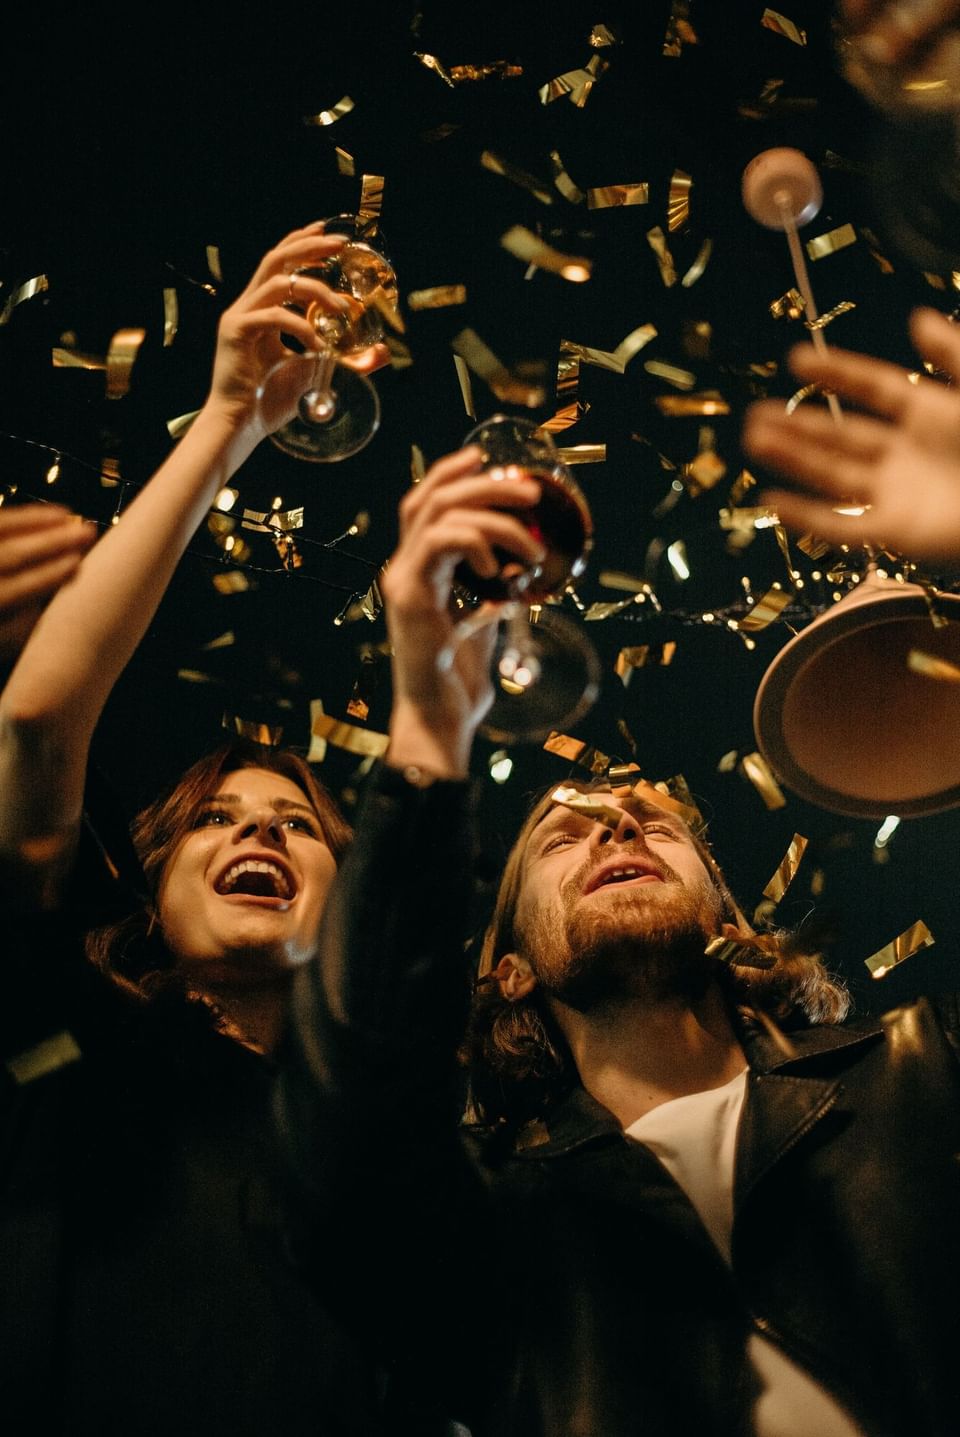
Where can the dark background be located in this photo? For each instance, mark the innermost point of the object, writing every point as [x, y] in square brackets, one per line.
[129, 151]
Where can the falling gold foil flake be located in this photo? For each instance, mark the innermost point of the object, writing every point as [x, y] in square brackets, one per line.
[499, 166]
[509, 388]
[587, 805]
[677, 406]
[371, 605]
[672, 373]
[806, 392]
[639, 656]
[679, 30]
[704, 471]
[523, 244]
[348, 736]
[213, 262]
[601, 36]
[738, 953]
[439, 296]
[678, 200]
[574, 84]
[222, 641]
[330, 117]
[932, 667]
[267, 520]
[177, 427]
[582, 454]
[754, 767]
[813, 547]
[578, 751]
[765, 611]
[699, 265]
[418, 465]
[287, 550]
[121, 357]
[789, 306]
[563, 182]
[844, 307]
[65, 357]
[786, 870]
[234, 581]
[195, 676]
[346, 164]
[47, 1056]
[673, 796]
[608, 197]
[657, 241]
[913, 940]
[615, 360]
[431, 62]
[269, 735]
[743, 483]
[502, 69]
[935, 281]
[40, 284]
[833, 240]
[746, 518]
[780, 25]
[110, 475]
[466, 387]
[566, 417]
[371, 204]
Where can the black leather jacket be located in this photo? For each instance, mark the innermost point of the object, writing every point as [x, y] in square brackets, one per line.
[566, 1288]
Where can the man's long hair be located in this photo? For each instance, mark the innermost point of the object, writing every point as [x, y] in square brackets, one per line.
[132, 952]
[516, 1057]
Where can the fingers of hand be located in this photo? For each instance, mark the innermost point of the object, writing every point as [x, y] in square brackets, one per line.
[811, 436]
[367, 360]
[814, 516]
[276, 320]
[464, 488]
[20, 518]
[301, 247]
[24, 548]
[18, 590]
[472, 535]
[874, 383]
[937, 339]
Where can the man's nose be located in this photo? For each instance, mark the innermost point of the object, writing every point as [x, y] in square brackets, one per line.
[265, 824]
[625, 830]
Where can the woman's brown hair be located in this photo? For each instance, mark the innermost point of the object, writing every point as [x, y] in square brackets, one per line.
[132, 951]
[516, 1057]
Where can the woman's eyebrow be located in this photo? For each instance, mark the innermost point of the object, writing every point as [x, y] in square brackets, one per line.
[281, 804]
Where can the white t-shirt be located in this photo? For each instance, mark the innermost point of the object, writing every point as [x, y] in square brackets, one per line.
[695, 1138]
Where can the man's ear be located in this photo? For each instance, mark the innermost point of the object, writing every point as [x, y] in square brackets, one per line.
[514, 977]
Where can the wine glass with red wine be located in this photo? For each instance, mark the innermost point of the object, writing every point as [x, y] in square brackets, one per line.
[546, 672]
[339, 412]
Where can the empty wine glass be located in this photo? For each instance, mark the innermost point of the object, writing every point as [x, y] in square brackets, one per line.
[339, 412]
[546, 672]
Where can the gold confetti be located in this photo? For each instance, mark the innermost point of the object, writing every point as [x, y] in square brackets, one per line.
[466, 387]
[330, 117]
[608, 197]
[789, 306]
[806, 392]
[680, 378]
[222, 641]
[121, 357]
[765, 611]
[195, 676]
[499, 166]
[371, 204]
[601, 36]
[267, 520]
[679, 801]
[738, 953]
[171, 317]
[64, 358]
[263, 733]
[563, 182]
[657, 241]
[932, 667]
[699, 265]
[575, 84]
[615, 360]
[705, 470]
[833, 240]
[588, 805]
[346, 164]
[40, 284]
[786, 870]
[460, 74]
[577, 751]
[286, 547]
[742, 485]
[235, 581]
[525, 245]
[213, 262]
[583, 454]
[482, 361]
[811, 546]
[47, 1056]
[439, 296]
[639, 656]
[754, 767]
[679, 30]
[678, 200]
[565, 417]
[431, 62]
[347, 735]
[780, 25]
[678, 406]
[913, 940]
[418, 465]
[844, 307]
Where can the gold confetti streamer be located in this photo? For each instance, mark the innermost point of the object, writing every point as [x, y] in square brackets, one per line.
[583, 454]
[679, 378]
[563, 182]
[267, 520]
[575, 84]
[742, 485]
[833, 240]
[466, 387]
[525, 245]
[913, 940]
[566, 417]
[346, 164]
[807, 392]
[263, 733]
[765, 611]
[639, 656]
[608, 197]
[707, 468]
[460, 74]
[318, 746]
[64, 358]
[371, 604]
[371, 204]
[40, 284]
[177, 427]
[678, 200]
[844, 307]
[754, 767]
[615, 360]
[577, 751]
[171, 317]
[418, 465]
[601, 36]
[47, 1056]
[235, 581]
[678, 406]
[499, 166]
[811, 546]
[213, 262]
[699, 265]
[789, 306]
[121, 357]
[780, 25]
[738, 953]
[680, 801]
[932, 667]
[222, 641]
[482, 361]
[439, 296]
[196, 676]
[786, 870]
[348, 736]
[430, 62]
[657, 241]
[330, 117]
[588, 805]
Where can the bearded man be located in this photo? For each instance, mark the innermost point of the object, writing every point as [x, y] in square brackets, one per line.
[691, 1195]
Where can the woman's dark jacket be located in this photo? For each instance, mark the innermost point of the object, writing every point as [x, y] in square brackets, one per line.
[565, 1287]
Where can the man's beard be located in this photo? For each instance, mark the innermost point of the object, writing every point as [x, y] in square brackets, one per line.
[644, 942]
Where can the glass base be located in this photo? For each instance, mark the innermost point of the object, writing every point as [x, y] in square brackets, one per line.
[354, 421]
[559, 673]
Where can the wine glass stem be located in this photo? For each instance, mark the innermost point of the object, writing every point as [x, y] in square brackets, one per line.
[324, 401]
